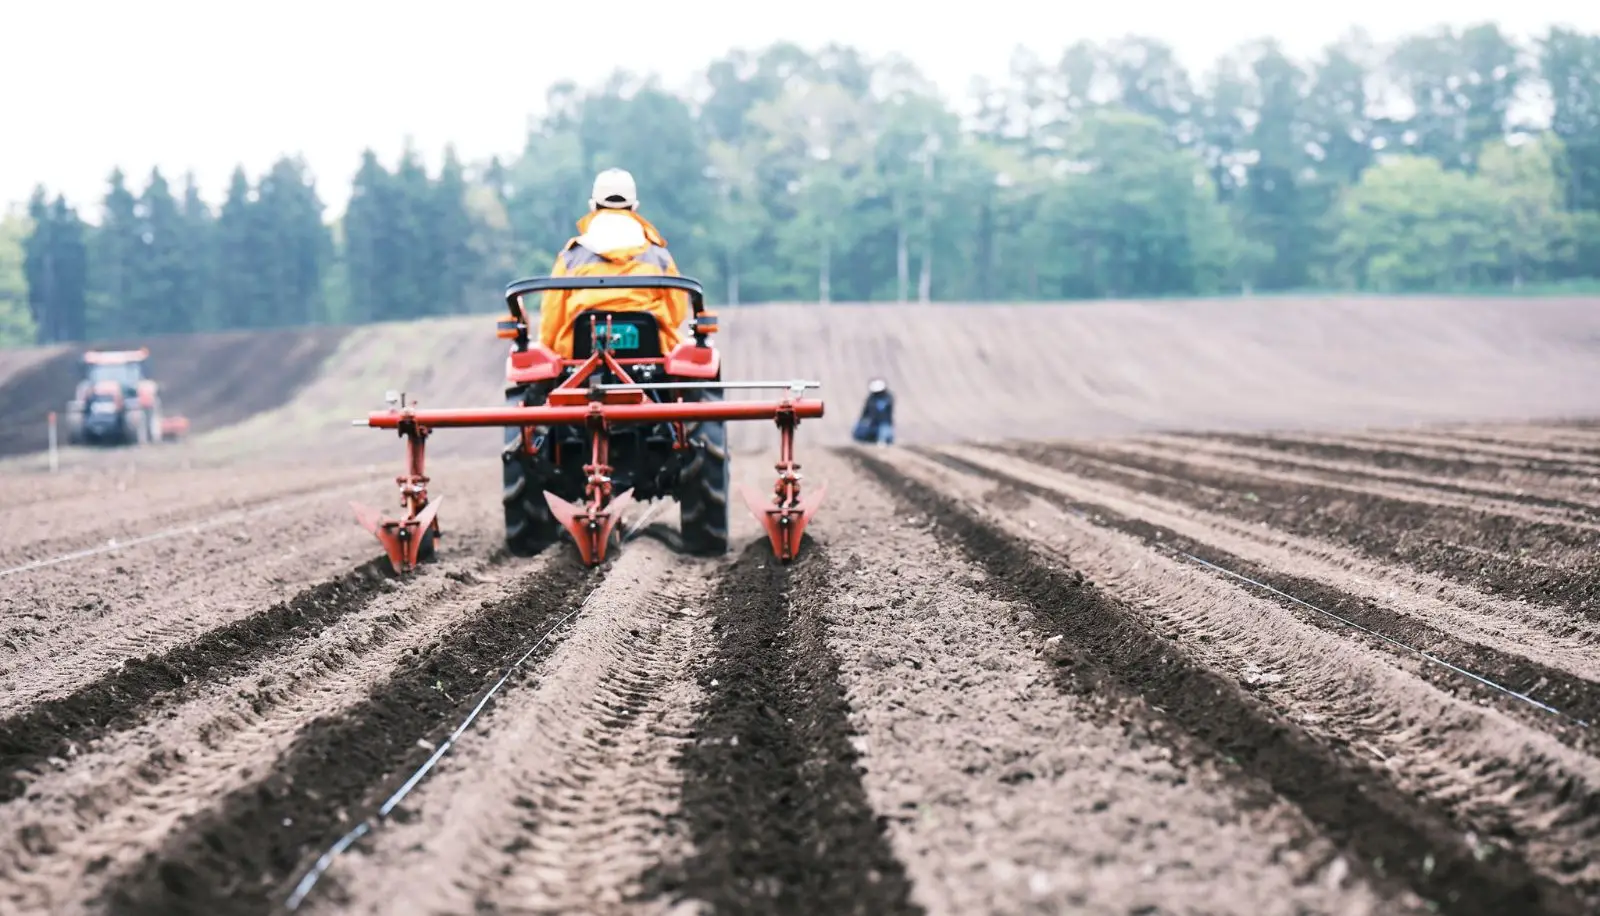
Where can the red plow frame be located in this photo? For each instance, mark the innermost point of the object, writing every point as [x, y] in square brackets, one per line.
[598, 408]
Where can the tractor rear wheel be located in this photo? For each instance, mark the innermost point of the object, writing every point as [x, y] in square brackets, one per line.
[530, 525]
[703, 484]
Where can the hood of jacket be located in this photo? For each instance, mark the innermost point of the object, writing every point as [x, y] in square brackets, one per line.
[606, 232]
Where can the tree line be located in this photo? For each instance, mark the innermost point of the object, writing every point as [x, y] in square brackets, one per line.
[824, 175]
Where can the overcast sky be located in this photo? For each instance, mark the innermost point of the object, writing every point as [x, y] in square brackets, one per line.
[202, 85]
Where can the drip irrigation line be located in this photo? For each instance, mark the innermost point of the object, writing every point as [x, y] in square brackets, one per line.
[325, 861]
[1389, 639]
[114, 545]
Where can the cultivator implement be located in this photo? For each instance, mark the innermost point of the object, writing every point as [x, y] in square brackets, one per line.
[584, 400]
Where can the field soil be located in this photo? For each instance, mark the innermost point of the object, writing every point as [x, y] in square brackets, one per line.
[1109, 661]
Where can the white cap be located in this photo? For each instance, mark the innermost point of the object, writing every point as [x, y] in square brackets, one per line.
[614, 189]
[877, 384]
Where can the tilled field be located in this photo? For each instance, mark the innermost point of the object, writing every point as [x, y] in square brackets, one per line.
[1253, 674]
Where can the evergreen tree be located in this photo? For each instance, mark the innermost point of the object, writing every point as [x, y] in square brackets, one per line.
[1278, 211]
[369, 247]
[415, 254]
[114, 251]
[1570, 64]
[17, 326]
[199, 254]
[164, 294]
[456, 262]
[55, 265]
[40, 271]
[295, 246]
[240, 288]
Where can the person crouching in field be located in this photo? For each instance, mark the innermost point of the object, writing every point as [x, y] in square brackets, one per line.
[614, 241]
[876, 425]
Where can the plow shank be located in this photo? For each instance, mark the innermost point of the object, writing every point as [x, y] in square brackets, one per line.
[402, 539]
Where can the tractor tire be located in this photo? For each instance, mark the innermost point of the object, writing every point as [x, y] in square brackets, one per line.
[530, 525]
[703, 485]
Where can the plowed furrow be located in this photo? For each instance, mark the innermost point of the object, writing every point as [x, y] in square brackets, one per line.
[1576, 697]
[1543, 564]
[63, 627]
[1576, 437]
[240, 854]
[1491, 775]
[556, 803]
[50, 529]
[139, 688]
[1005, 794]
[1447, 479]
[1550, 636]
[1430, 495]
[1506, 443]
[771, 796]
[1418, 459]
[1110, 651]
[94, 814]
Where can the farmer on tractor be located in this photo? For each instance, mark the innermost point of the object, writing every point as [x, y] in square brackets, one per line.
[614, 240]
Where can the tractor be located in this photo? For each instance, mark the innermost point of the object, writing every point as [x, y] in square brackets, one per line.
[620, 421]
[117, 403]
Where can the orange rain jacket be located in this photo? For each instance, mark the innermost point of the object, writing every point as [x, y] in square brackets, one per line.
[617, 249]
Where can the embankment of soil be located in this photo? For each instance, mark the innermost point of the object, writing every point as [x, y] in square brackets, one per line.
[974, 371]
[960, 371]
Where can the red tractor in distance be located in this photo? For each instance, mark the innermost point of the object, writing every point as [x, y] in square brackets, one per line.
[116, 403]
[619, 421]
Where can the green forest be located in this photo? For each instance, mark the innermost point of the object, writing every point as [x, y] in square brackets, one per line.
[823, 175]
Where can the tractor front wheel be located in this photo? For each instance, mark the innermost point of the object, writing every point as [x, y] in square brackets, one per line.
[703, 484]
[530, 526]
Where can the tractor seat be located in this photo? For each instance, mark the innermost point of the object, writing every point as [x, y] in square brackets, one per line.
[637, 335]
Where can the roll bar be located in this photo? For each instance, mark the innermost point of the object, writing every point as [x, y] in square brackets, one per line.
[516, 289]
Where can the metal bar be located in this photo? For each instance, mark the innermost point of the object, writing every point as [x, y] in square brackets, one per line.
[650, 386]
[809, 409]
[516, 289]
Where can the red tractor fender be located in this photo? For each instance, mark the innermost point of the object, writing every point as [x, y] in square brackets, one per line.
[690, 360]
[538, 363]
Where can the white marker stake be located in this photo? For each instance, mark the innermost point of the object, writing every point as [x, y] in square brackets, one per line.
[53, 459]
